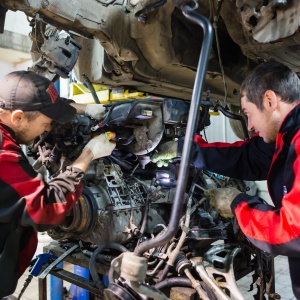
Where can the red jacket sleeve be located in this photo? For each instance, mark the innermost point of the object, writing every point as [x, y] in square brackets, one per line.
[48, 203]
[24, 194]
[274, 229]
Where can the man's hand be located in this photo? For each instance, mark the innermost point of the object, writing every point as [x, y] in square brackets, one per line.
[165, 153]
[221, 199]
[95, 111]
[101, 145]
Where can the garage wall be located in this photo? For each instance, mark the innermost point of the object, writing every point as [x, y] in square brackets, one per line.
[17, 22]
[8, 67]
[220, 130]
[14, 59]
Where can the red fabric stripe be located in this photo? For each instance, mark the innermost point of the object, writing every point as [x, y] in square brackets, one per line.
[268, 226]
[271, 227]
[54, 213]
[19, 179]
[203, 144]
[33, 189]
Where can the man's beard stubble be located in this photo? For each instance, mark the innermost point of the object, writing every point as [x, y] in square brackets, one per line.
[273, 127]
[21, 138]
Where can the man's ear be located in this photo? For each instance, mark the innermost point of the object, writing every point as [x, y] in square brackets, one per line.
[270, 100]
[17, 116]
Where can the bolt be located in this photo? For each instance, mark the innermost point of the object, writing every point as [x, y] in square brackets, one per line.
[45, 3]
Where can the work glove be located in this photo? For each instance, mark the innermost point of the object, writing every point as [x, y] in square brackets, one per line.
[166, 152]
[101, 145]
[95, 111]
[221, 200]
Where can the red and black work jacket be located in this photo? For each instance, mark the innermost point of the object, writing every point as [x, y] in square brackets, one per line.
[27, 204]
[274, 229]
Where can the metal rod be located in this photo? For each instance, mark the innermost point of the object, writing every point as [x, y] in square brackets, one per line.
[190, 132]
[91, 88]
[42, 285]
[76, 280]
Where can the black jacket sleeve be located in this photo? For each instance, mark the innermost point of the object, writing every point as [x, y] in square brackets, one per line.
[247, 160]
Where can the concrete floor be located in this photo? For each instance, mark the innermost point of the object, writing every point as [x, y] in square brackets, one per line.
[282, 279]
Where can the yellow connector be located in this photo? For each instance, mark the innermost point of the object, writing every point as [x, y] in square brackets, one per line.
[122, 94]
[214, 113]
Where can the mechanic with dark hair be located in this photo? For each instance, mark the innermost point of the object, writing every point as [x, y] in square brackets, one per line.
[270, 97]
[28, 105]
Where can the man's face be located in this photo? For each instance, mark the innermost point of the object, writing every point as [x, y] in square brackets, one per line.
[264, 122]
[29, 130]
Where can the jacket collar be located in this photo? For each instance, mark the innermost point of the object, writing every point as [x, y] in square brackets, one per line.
[291, 121]
[8, 129]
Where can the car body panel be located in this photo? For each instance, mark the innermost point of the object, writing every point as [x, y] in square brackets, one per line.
[160, 55]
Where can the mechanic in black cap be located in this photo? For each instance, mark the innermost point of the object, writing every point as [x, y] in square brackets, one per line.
[28, 105]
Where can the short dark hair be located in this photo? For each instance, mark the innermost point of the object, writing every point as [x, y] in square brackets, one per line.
[271, 75]
[29, 115]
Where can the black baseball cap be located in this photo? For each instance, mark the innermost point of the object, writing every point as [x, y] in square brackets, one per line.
[29, 91]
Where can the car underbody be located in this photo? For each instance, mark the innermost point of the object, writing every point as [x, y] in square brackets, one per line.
[183, 54]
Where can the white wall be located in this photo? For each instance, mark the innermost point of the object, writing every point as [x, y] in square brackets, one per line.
[7, 67]
[220, 130]
[17, 22]
[64, 87]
